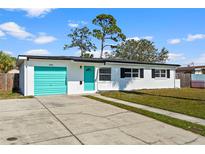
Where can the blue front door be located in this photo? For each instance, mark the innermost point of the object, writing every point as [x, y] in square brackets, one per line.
[89, 78]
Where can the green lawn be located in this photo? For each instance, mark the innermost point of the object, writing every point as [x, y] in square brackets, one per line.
[184, 93]
[11, 95]
[186, 101]
[193, 127]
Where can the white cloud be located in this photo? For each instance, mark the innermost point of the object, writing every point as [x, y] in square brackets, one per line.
[34, 12]
[13, 29]
[148, 37]
[37, 52]
[8, 52]
[194, 37]
[75, 24]
[133, 38]
[200, 60]
[84, 22]
[43, 39]
[2, 33]
[136, 38]
[174, 41]
[17, 31]
[176, 56]
[184, 60]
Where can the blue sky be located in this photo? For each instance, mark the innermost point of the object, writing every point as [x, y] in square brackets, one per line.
[43, 31]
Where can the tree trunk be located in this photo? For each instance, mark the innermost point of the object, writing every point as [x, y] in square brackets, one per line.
[102, 44]
[81, 52]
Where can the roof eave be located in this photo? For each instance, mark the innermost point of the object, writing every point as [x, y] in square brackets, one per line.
[93, 60]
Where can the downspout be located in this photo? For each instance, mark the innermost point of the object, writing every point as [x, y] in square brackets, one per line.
[26, 78]
[97, 74]
[175, 78]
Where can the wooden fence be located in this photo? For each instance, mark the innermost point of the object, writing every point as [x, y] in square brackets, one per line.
[191, 80]
[9, 81]
[185, 79]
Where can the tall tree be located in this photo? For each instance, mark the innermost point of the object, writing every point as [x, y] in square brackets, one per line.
[163, 55]
[109, 31]
[81, 38]
[7, 62]
[142, 51]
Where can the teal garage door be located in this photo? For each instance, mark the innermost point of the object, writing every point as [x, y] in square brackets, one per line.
[89, 78]
[50, 80]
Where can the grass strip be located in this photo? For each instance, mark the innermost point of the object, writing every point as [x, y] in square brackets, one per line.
[182, 93]
[169, 96]
[12, 95]
[193, 127]
[187, 107]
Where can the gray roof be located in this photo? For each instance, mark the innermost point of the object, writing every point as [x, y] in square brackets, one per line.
[94, 60]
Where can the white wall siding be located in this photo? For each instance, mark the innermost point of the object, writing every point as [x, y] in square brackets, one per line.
[76, 74]
[147, 82]
[177, 83]
[114, 83]
[198, 71]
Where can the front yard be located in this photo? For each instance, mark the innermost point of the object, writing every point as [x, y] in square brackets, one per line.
[11, 95]
[187, 101]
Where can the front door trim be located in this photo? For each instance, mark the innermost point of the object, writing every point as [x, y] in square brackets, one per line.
[89, 78]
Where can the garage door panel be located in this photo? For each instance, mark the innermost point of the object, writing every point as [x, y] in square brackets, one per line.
[51, 85]
[42, 92]
[50, 80]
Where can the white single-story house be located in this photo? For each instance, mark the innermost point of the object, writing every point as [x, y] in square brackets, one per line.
[51, 75]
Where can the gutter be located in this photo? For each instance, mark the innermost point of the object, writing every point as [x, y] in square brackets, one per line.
[93, 60]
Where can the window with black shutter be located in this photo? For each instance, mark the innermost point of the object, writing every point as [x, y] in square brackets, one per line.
[168, 73]
[153, 73]
[122, 72]
[159, 73]
[141, 73]
[131, 73]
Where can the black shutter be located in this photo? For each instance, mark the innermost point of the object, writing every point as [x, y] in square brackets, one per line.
[168, 73]
[141, 73]
[122, 72]
[153, 73]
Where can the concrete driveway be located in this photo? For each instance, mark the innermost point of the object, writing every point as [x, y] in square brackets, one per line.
[79, 120]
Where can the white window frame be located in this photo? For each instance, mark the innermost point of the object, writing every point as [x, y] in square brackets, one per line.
[110, 74]
[131, 73]
[160, 73]
[138, 73]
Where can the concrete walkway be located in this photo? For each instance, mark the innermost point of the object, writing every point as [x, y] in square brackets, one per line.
[79, 120]
[156, 110]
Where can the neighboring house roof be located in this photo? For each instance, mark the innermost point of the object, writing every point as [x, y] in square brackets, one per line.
[202, 67]
[185, 69]
[189, 69]
[94, 60]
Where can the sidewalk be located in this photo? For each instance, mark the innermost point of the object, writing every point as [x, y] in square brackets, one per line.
[156, 110]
